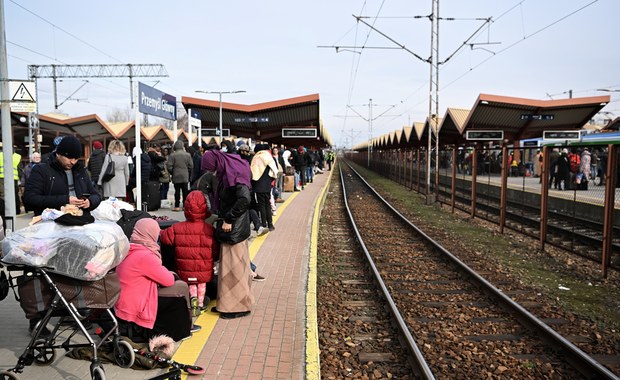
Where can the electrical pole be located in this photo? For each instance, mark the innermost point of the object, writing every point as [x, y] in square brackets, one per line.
[433, 99]
[433, 60]
[370, 119]
[7, 133]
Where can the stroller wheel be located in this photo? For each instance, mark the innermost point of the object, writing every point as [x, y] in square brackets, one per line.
[194, 369]
[43, 355]
[123, 354]
[6, 375]
[98, 373]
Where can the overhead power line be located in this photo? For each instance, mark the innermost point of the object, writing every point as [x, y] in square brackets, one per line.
[65, 31]
[96, 71]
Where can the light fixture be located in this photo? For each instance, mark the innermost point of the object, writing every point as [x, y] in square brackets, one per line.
[220, 93]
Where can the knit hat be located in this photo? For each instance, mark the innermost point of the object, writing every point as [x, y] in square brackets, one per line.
[69, 147]
[259, 147]
[57, 140]
[244, 148]
[97, 145]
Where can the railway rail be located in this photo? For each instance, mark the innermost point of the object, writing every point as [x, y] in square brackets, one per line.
[579, 236]
[464, 327]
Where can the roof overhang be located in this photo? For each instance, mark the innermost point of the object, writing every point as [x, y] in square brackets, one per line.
[452, 125]
[263, 121]
[522, 119]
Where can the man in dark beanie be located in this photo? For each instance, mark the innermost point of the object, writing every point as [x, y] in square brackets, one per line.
[61, 180]
[70, 147]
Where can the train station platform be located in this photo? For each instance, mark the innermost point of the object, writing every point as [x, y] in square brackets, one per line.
[278, 340]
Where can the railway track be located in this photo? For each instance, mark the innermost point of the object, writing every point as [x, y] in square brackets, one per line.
[463, 326]
[356, 334]
[581, 237]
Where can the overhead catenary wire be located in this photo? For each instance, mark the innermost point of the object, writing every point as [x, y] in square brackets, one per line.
[65, 31]
[520, 41]
[494, 21]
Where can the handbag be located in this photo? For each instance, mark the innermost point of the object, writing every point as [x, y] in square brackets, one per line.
[109, 170]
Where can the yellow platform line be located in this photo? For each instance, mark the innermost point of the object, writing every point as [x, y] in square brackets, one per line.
[190, 349]
[313, 364]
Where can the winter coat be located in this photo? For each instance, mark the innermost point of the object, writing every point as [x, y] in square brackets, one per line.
[95, 163]
[48, 187]
[234, 209]
[117, 186]
[145, 171]
[196, 162]
[298, 160]
[158, 164]
[140, 273]
[195, 249]
[586, 160]
[180, 164]
[27, 171]
[563, 165]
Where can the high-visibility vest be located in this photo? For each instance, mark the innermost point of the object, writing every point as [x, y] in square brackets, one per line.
[17, 158]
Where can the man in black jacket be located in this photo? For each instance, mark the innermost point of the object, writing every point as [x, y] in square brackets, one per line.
[61, 180]
[95, 163]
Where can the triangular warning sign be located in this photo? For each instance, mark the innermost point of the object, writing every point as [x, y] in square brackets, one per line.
[22, 94]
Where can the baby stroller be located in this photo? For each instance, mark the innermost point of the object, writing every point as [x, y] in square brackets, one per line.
[75, 303]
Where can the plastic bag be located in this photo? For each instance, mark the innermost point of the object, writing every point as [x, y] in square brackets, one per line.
[110, 210]
[82, 252]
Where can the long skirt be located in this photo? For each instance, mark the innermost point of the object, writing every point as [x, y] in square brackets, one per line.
[234, 291]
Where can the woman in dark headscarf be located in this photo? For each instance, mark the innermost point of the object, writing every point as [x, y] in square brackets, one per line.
[234, 293]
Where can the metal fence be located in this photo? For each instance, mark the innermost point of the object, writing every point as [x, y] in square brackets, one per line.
[561, 195]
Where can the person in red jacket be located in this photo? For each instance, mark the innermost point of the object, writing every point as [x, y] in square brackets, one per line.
[195, 249]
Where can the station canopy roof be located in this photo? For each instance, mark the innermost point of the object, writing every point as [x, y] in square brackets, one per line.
[263, 121]
[522, 119]
[451, 128]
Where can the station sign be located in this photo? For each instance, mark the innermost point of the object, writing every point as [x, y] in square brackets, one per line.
[214, 132]
[251, 120]
[527, 116]
[157, 103]
[299, 132]
[485, 135]
[23, 96]
[530, 143]
[562, 135]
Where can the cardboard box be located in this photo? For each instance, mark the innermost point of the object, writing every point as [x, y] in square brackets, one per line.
[289, 183]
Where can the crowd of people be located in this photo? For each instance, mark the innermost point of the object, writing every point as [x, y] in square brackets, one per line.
[225, 192]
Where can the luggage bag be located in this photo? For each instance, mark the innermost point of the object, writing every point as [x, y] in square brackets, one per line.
[150, 196]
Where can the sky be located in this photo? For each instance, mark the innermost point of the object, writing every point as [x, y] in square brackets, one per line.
[277, 49]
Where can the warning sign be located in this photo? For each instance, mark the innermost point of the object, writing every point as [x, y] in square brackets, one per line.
[22, 96]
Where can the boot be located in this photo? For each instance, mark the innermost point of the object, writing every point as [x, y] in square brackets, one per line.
[195, 308]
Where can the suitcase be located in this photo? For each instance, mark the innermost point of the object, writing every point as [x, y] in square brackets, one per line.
[289, 183]
[150, 195]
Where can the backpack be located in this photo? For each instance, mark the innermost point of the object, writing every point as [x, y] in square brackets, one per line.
[164, 175]
[129, 218]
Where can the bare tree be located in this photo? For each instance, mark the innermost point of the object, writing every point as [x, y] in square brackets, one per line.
[119, 115]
